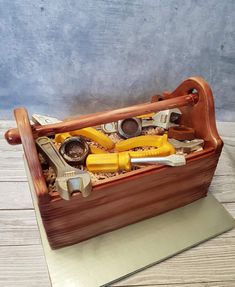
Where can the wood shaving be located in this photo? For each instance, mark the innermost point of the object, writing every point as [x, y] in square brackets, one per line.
[50, 175]
[153, 131]
[115, 137]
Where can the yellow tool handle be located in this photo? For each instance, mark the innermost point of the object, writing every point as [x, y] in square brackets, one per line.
[166, 149]
[111, 162]
[140, 141]
[89, 133]
[59, 138]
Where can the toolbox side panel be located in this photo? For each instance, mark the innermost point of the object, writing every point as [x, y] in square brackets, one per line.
[134, 199]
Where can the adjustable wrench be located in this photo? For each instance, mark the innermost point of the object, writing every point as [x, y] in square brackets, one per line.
[164, 119]
[68, 179]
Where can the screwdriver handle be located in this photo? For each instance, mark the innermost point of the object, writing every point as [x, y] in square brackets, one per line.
[114, 162]
[110, 162]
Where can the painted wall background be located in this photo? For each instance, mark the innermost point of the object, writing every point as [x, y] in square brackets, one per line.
[64, 57]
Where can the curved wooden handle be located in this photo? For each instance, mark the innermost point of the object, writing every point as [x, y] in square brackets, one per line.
[31, 155]
[202, 116]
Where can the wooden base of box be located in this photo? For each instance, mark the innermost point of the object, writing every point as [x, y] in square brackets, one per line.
[137, 196]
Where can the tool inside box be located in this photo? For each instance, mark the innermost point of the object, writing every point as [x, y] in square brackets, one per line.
[102, 177]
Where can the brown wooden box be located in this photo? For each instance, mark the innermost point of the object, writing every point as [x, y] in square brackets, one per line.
[136, 195]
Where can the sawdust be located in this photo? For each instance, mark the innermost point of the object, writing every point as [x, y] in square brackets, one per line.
[50, 174]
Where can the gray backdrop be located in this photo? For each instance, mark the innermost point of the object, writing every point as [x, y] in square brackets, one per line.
[64, 57]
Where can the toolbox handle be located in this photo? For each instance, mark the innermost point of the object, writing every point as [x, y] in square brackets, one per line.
[31, 155]
[200, 102]
[202, 116]
[12, 135]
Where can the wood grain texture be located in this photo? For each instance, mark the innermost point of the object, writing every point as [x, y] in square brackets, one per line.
[136, 195]
[18, 227]
[24, 265]
[117, 204]
[9, 200]
[31, 155]
[222, 188]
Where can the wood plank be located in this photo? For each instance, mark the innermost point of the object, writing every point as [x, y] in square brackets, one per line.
[13, 175]
[12, 161]
[226, 129]
[7, 124]
[222, 187]
[16, 196]
[6, 147]
[23, 266]
[18, 227]
[208, 262]
[226, 161]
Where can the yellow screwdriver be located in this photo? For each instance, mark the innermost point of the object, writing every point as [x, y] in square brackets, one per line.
[112, 162]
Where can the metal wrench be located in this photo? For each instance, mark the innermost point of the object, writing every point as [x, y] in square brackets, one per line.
[164, 119]
[68, 179]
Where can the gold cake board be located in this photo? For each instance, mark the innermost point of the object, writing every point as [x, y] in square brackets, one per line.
[117, 254]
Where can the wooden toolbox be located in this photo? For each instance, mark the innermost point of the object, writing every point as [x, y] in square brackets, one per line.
[139, 194]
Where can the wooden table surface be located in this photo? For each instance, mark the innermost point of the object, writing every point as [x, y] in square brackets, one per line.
[22, 262]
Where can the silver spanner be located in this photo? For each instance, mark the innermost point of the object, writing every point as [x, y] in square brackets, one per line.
[68, 179]
[164, 119]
